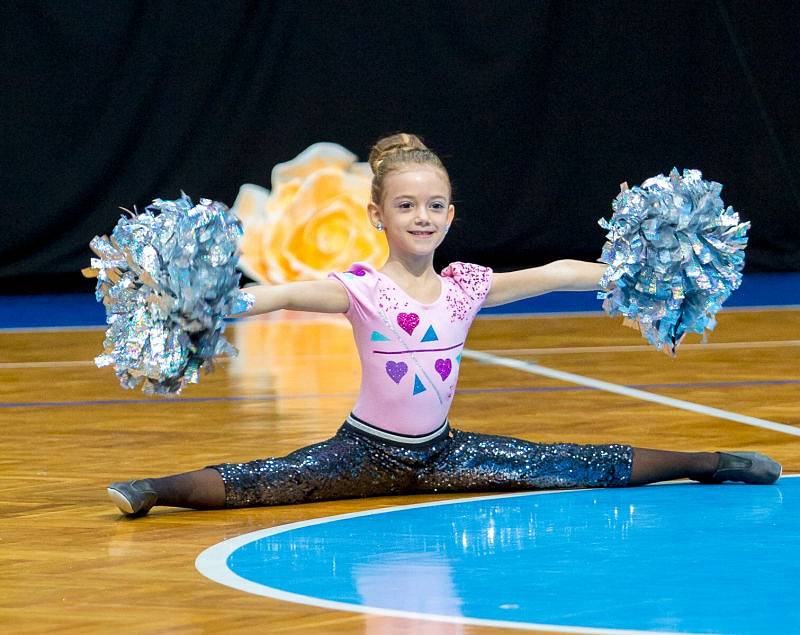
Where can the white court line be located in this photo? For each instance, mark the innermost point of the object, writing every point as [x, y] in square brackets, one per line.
[213, 563]
[536, 369]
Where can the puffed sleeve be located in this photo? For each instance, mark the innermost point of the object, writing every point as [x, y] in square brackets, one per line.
[474, 281]
[360, 282]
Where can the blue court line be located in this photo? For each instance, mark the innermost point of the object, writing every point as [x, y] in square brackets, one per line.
[467, 391]
[81, 309]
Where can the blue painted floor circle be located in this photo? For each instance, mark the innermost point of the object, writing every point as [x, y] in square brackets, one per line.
[681, 558]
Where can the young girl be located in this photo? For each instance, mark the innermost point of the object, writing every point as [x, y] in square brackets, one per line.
[410, 325]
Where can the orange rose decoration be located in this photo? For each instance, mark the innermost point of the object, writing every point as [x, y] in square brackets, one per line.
[313, 222]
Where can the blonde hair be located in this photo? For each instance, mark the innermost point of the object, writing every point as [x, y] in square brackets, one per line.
[396, 151]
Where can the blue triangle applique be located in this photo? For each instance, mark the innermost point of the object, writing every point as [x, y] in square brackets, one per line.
[430, 335]
[418, 387]
[458, 358]
[378, 337]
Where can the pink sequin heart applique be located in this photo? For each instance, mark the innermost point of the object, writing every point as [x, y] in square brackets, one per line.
[443, 367]
[408, 321]
[396, 370]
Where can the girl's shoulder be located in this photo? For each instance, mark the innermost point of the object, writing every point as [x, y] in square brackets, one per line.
[359, 276]
[474, 280]
[360, 270]
[361, 281]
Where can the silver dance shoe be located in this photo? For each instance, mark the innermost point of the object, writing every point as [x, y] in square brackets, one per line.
[134, 498]
[745, 467]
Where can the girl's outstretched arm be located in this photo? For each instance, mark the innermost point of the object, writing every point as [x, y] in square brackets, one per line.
[560, 275]
[317, 296]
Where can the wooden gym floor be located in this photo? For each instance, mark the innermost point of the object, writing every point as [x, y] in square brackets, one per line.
[72, 563]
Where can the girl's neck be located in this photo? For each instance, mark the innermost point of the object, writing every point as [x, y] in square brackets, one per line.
[405, 268]
[417, 279]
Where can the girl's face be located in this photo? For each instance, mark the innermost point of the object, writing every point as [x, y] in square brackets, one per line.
[415, 210]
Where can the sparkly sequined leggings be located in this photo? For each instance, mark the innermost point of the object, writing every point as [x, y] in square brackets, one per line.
[355, 463]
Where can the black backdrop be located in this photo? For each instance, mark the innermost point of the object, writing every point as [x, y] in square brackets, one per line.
[539, 109]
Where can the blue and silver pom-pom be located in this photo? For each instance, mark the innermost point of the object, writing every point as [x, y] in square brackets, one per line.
[168, 278]
[674, 254]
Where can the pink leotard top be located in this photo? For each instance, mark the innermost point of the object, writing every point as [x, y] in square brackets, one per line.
[410, 352]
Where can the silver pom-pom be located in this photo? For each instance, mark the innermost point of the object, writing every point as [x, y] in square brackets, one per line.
[167, 278]
[675, 254]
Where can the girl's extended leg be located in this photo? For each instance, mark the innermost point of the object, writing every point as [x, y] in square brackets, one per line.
[652, 466]
[201, 489]
[482, 462]
[345, 466]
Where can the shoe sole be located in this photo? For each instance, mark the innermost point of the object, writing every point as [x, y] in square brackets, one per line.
[120, 501]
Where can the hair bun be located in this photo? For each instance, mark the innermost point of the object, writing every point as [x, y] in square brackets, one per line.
[399, 142]
[398, 151]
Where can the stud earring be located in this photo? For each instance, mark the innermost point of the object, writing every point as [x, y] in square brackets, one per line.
[379, 226]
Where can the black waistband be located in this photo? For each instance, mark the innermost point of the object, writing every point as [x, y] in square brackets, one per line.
[358, 425]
